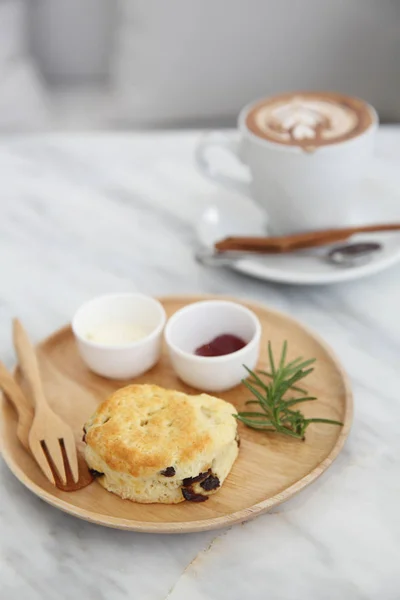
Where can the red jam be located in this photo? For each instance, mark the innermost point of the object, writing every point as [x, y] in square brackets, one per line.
[221, 345]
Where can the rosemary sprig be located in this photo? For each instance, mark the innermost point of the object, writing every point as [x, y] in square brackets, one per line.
[276, 413]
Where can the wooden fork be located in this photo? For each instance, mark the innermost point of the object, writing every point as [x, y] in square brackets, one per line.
[24, 411]
[49, 436]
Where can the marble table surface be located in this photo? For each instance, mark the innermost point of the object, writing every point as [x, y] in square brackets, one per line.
[87, 214]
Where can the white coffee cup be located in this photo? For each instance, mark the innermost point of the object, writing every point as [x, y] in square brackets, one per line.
[300, 191]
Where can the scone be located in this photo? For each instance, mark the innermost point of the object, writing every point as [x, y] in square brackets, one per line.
[149, 444]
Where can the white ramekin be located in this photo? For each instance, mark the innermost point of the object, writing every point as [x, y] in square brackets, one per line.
[127, 360]
[199, 323]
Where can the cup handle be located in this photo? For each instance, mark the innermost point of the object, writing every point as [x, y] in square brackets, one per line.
[230, 145]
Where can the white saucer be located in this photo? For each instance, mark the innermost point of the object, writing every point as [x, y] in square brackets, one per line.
[378, 202]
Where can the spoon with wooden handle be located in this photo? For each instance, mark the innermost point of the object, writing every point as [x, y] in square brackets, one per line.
[25, 414]
[297, 241]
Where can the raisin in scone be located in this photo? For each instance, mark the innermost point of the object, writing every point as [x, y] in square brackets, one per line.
[148, 444]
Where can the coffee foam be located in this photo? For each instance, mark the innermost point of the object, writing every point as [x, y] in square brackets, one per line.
[309, 119]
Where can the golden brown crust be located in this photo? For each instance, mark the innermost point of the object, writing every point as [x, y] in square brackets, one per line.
[144, 429]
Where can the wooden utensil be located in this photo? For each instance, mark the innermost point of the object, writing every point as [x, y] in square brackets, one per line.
[269, 470]
[25, 417]
[17, 398]
[49, 436]
[298, 241]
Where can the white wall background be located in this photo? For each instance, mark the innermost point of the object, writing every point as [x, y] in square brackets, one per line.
[72, 39]
[135, 63]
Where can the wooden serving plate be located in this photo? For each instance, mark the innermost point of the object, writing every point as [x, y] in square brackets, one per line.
[270, 468]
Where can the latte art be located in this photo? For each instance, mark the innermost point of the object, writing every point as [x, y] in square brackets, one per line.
[309, 119]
